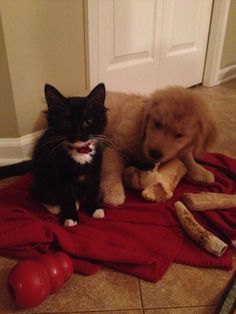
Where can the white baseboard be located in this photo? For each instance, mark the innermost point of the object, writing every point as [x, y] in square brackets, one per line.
[13, 150]
[226, 74]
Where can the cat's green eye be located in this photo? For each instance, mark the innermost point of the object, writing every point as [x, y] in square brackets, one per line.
[87, 123]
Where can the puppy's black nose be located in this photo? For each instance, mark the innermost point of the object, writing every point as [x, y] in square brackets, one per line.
[155, 154]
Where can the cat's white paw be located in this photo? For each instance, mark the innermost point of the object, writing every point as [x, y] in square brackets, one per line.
[70, 223]
[53, 209]
[99, 213]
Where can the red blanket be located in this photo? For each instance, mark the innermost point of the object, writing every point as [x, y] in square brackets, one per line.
[139, 238]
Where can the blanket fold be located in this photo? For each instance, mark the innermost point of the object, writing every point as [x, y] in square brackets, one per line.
[139, 238]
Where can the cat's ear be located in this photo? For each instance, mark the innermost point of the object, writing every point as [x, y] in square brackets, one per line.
[97, 95]
[53, 97]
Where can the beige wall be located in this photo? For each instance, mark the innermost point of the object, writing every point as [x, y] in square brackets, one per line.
[8, 121]
[229, 50]
[44, 42]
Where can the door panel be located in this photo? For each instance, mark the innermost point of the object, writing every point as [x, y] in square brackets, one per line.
[131, 40]
[133, 22]
[141, 45]
[128, 35]
[184, 41]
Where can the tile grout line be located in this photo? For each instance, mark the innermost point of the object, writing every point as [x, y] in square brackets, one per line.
[181, 307]
[81, 311]
[140, 293]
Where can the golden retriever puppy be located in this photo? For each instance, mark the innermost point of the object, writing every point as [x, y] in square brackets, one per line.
[171, 123]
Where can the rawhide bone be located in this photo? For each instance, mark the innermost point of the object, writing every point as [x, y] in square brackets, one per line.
[208, 200]
[159, 184]
[203, 237]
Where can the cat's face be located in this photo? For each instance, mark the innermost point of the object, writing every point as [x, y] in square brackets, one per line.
[76, 118]
[78, 121]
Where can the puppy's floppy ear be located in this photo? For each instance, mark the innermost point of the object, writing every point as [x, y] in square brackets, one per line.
[207, 135]
[144, 126]
[146, 116]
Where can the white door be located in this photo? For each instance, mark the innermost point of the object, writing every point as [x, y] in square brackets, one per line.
[185, 29]
[141, 45]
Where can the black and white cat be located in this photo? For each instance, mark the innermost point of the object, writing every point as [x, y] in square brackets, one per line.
[67, 158]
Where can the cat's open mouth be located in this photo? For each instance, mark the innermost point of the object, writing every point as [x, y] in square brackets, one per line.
[84, 150]
[81, 148]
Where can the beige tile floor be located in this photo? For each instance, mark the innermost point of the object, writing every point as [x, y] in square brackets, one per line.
[183, 290]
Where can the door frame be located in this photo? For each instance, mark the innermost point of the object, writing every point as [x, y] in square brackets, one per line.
[92, 42]
[212, 73]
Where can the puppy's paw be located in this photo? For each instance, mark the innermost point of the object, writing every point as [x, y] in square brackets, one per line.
[209, 177]
[70, 223]
[99, 213]
[201, 175]
[114, 196]
[53, 209]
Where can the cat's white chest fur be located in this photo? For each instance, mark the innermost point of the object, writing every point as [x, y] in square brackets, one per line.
[81, 158]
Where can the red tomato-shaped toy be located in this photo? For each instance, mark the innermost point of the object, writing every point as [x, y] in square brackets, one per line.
[28, 283]
[31, 281]
[66, 264]
[54, 269]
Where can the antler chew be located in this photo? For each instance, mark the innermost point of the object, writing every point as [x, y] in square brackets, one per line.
[139, 179]
[208, 200]
[159, 184]
[169, 176]
[203, 237]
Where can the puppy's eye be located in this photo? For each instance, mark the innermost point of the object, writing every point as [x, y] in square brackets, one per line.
[158, 124]
[87, 123]
[179, 135]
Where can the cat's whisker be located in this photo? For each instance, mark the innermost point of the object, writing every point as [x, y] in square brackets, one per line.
[102, 137]
[105, 141]
[101, 147]
[48, 143]
[55, 149]
[51, 141]
[56, 138]
[102, 144]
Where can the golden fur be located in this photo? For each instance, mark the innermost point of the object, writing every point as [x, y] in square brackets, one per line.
[170, 123]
